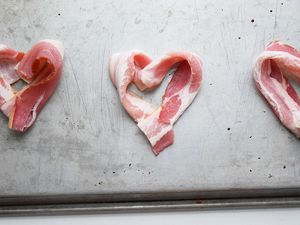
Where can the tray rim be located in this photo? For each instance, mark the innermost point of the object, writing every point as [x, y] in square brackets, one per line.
[153, 206]
[148, 202]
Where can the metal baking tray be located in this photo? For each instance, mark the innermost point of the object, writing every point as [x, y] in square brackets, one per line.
[85, 154]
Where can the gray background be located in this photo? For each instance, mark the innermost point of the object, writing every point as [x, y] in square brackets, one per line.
[83, 141]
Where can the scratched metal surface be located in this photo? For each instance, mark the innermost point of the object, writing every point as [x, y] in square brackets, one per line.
[84, 142]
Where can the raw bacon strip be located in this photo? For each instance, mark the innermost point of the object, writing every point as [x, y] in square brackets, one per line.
[41, 68]
[8, 75]
[271, 72]
[8, 60]
[135, 67]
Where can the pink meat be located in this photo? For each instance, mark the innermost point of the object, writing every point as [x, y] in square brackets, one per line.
[273, 68]
[41, 68]
[8, 61]
[163, 142]
[135, 67]
[171, 99]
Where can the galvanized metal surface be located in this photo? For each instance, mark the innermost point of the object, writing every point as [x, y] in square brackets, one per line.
[84, 142]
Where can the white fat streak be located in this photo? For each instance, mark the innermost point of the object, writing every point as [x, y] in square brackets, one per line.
[144, 125]
[3, 47]
[16, 67]
[292, 105]
[6, 91]
[296, 125]
[57, 44]
[153, 140]
[283, 94]
[295, 109]
[186, 99]
[120, 62]
[120, 77]
[143, 105]
[34, 110]
[148, 76]
[118, 67]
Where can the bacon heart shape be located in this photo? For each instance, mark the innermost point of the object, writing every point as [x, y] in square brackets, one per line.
[135, 67]
[41, 69]
[273, 68]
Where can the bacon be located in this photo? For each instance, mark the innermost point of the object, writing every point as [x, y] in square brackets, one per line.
[273, 68]
[41, 68]
[135, 67]
[8, 60]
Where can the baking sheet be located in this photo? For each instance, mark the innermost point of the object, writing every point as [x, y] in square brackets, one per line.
[84, 143]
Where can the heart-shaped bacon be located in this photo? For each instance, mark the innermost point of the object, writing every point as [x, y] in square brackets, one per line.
[41, 68]
[271, 72]
[138, 68]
